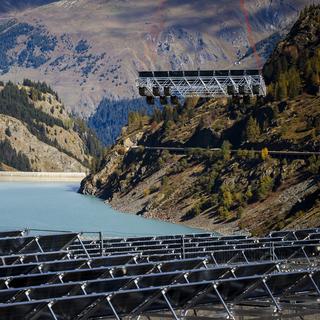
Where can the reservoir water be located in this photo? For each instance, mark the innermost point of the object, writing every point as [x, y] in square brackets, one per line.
[58, 206]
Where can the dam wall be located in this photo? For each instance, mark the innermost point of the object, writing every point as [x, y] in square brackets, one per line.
[41, 176]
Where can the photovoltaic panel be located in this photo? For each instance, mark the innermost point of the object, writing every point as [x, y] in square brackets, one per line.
[154, 274]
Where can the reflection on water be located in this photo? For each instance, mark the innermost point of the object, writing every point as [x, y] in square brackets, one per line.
[58, 206]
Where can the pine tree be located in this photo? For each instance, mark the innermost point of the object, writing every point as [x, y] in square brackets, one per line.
[252, 130]
[294, 83]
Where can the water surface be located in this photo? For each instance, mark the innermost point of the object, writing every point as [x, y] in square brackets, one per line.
[58, 206]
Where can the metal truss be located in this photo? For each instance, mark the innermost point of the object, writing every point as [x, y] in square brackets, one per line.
[230, 84]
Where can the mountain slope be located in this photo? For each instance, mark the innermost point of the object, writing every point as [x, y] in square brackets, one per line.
[225, 191]
[10, 6]
[88, 50]
[37, 134]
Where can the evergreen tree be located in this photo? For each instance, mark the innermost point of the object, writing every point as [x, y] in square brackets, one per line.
[252, 132]
[294, 83]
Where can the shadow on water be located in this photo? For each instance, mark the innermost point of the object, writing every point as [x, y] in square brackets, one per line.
[72, 188]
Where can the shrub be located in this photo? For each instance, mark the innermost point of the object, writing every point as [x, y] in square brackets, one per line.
[226, 150]
[196, 210]
[249, 193]
[240, 212]
[224, 213]
[146, 192]
[314, 165]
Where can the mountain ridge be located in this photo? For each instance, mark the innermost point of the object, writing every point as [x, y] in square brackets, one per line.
[88, 58]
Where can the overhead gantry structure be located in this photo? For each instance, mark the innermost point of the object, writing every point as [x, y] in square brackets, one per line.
[200, 83]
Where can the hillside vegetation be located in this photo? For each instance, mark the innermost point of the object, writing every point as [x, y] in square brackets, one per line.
[222, 190]
[37, 134]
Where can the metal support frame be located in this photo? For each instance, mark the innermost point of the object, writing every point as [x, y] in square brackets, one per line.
[112, 308]
[51, 311]
[183, 255]
[163, 292]
[101, 243]
[38, 244]
[314, 284]
[203, 86]
[141, 307]
[230, 315]
[83, 246]
[277, 306]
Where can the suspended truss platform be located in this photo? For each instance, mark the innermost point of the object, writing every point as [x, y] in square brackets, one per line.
[202, 83]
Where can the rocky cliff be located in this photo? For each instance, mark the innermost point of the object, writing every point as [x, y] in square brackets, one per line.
[37, 133]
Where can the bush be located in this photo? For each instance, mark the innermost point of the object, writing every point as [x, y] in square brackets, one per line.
[226, 150]
[146, 192]
[240, 212]
[196, 210]
[314, 165]
[264, 154]
[224, 213]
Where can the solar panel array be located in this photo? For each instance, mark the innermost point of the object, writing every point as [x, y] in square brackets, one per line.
[203, 276]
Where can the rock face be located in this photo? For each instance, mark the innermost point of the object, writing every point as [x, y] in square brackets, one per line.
[42, 156]
[37, 134]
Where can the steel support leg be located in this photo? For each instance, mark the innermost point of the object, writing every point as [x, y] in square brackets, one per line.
[38, 244]
[271, 296]
[52, 312]
[305, 254]
[230, 315]
[112, 308]
[169, 305]
[101, 243]
[83, 246]
[314, 284]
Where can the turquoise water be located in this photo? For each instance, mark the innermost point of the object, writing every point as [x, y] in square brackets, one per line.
[58, 206]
